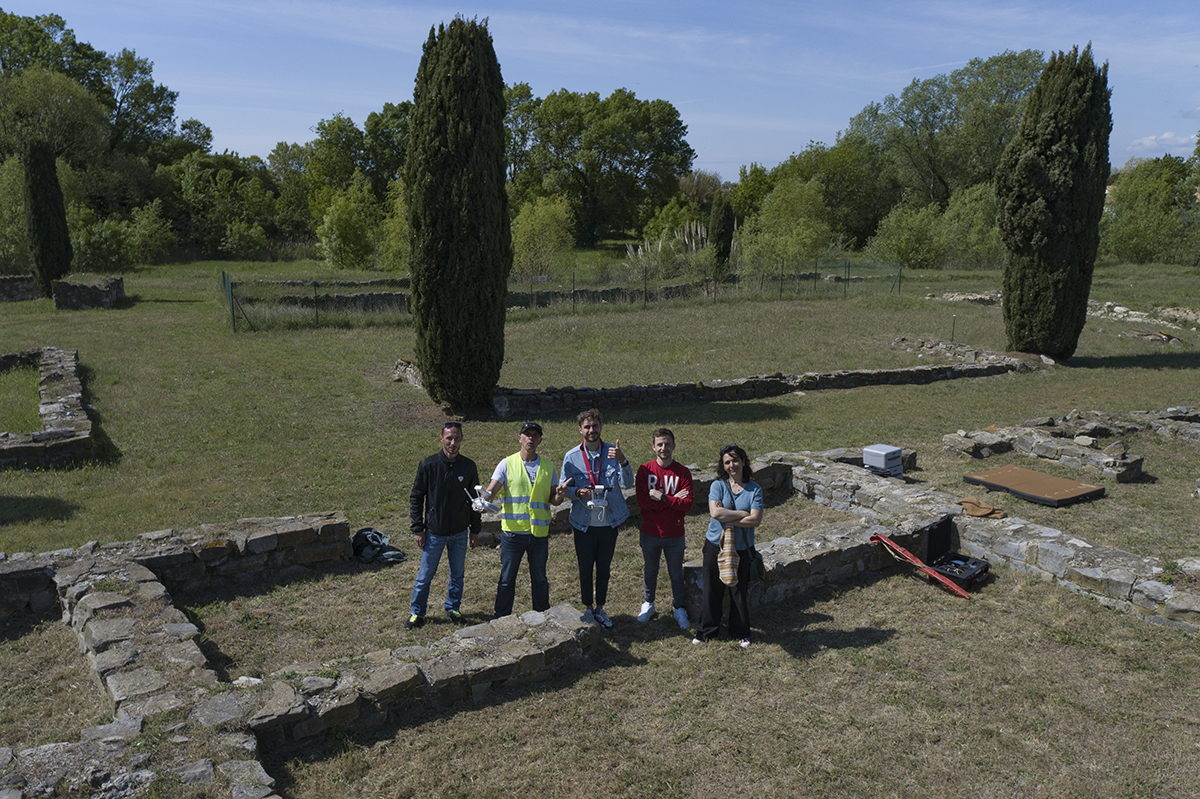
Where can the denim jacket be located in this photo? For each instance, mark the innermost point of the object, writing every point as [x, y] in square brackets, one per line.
[614, 478]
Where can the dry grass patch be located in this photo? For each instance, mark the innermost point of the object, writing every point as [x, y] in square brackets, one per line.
[47, 693]
[884, 687]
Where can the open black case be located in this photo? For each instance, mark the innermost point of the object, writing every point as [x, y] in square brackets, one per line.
[940, 556]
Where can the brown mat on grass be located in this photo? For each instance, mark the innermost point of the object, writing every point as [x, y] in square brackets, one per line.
[1034, 486]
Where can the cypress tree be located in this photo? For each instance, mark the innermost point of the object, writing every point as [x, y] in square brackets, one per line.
[720, 228]
[460, 245]
[1049, 199]
[50, 249]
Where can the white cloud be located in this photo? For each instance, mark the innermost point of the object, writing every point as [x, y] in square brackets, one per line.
[1193, 114]
[1163, 143]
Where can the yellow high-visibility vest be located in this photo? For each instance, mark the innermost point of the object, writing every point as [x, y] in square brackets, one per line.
[519, 513]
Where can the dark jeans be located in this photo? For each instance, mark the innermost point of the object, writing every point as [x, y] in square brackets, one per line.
[672, 550]
[713, 599]
[513, 547]
[595, 547]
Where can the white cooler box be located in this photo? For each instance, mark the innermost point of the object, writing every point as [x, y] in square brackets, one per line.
[882, 459]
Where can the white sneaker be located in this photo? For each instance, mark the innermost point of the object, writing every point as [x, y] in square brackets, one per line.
[744, 643]
[697, 641]
[587, 617]
[647, 611]
[681, 618]
[602, 619]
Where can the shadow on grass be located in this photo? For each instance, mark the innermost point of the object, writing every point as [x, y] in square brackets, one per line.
[104, 449]
[702, 413]
[1152, 360]
[134, 299]
[30, 509]
[787, 624]
[281, 763]
[19, 625]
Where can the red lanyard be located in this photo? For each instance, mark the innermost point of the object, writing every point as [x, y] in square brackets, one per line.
[587, 461]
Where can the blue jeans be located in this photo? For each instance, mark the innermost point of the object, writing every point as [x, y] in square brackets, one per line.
[672, 549]
[513, 547]
[431, 554]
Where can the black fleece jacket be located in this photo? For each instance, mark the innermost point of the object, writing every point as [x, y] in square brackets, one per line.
[438, 504]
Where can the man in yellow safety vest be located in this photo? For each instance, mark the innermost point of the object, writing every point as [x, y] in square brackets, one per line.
[529, 484]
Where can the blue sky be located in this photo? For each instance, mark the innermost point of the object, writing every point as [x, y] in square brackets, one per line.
[753, 81]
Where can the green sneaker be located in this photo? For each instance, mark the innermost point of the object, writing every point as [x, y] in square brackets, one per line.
[414, 621]
[456, 617]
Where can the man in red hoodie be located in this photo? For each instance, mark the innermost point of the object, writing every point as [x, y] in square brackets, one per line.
[664, 493]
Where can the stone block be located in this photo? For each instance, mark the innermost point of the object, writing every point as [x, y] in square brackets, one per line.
[1182, 606]
[338, 713]
[124, 729]
[213, 549]
[139, 682]
[261, 541]
[99, 634]
[283, 706]
[388, 682]
[1051, 557]
[217, 709]
[116, 657]
[1111, 582]
[445, 678]
[165, 558]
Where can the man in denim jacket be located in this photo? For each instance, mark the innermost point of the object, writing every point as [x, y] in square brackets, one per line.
[594, 473]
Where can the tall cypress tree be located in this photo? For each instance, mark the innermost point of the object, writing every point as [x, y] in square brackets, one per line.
[50, 250]
[461, 248]
[1049, 199]
[720, 228]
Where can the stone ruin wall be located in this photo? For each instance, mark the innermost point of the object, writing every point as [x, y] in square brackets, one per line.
[511, 403]
[71, 295]
[66, 434]
[18, 289]
[143, 651]
[104, 292]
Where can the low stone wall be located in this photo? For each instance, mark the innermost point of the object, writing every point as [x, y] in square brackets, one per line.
[510, 403]
[614, 295]
[1117, 579]
[1072, 445]
[1073, 440]
[66, 434]
[105, 292]
[144, 654]
[18, 288]
[374, 301]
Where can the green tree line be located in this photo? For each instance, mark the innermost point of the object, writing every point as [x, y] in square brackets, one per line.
[908, 180]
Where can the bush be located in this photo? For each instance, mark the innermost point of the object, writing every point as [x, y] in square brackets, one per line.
[542, 232]
[345, 240]
[911, 237]
[244, 241]
[393, 231]
[150, 234]
[100, 245]
[969, 232]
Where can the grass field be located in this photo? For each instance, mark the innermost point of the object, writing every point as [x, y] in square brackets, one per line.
[879, 689]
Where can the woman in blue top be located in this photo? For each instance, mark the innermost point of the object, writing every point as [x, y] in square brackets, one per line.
[733, 500]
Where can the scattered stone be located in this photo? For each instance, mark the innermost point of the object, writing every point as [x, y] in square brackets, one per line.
[199, 773]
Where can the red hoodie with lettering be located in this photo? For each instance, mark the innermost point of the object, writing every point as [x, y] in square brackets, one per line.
[663, 518]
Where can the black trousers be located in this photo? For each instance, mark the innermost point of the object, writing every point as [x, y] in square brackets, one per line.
[594, 547]
[713, 599]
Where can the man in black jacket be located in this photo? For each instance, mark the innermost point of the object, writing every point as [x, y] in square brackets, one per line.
[442, 518]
